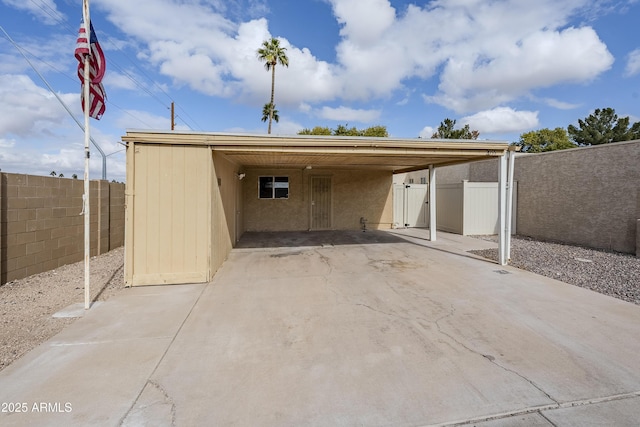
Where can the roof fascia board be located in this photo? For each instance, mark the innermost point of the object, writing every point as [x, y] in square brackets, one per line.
[316, 142]
[364, 151]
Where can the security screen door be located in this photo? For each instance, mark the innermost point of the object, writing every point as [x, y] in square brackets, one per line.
[320, 203]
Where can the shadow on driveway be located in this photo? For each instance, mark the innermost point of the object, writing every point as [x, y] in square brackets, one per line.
[284, 239]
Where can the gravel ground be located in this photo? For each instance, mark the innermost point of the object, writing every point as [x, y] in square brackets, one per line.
[610, 273]
[27, 305]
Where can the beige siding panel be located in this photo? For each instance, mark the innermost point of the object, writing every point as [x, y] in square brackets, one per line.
[225, 186]
[178, 237]
[171, 200]
[129, 216]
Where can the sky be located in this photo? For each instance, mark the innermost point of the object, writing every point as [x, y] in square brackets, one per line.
[504, 67]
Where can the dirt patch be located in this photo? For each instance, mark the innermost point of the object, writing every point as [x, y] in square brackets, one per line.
[27, 305]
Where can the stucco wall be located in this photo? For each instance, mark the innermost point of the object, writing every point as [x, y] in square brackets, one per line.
[41, 227]
[355, 194]
[587, 196]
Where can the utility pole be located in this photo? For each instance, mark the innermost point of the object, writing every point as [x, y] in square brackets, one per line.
[173, 120]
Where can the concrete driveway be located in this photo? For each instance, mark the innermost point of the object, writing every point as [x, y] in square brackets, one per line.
[327, 329]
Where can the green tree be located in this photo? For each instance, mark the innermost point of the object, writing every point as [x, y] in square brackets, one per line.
[376, 131]
[446, 131]
[318, 130]
[268, 111]
[61, 175]
[53, 173]
[272, 54]
[542, 140]
[74, 176]
[345, 130]
[635, 131]
[603, 127]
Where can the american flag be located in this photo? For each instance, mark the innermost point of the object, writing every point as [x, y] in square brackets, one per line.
[97, 66]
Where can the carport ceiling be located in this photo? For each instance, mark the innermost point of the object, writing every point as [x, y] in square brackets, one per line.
[301, 151]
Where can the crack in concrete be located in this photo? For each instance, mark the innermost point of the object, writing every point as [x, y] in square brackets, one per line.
[547, 419]
[164, 354]
[167, 398]
[596, 400]
[490, 358]
[539, 410]
[393, 315]
[152, 407]
[325, 260]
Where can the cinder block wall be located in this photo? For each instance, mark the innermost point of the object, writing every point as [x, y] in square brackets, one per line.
[116, 215]
[41, 227]
[587, 196]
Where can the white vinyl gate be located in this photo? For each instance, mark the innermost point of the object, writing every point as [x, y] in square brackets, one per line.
[411, 205]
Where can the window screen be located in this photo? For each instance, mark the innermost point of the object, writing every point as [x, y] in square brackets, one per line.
[273, 187]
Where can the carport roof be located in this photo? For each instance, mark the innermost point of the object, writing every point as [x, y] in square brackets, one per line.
[394, 154]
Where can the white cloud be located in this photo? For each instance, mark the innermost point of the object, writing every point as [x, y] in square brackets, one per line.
[345, 114]
[427, 132]
[136, 119]
[501, 120]
[542, 59]
[304, 107]
[45, 10]
[560, 105]
[285, 127]
[363, 21]
[633, 63]
[45, 53]
[117, 80]
[487, 53]
[27, 109]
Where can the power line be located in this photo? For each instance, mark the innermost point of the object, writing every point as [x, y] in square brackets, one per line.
[26, 51]
[135, 64]
[59, 18]
[104, 158]
[54, 14]
[191, 118]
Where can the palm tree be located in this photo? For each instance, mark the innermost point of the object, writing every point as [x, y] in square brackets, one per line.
[272, 53]
[268, 111]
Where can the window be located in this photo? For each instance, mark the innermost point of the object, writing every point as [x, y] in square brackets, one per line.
[423, 180]
[273, 187]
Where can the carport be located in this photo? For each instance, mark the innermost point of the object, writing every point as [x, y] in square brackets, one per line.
[191, 195]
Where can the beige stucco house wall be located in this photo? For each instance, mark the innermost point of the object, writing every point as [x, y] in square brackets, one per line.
[353, 195]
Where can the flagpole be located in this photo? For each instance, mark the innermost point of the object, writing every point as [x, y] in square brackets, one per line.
[87, 138]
